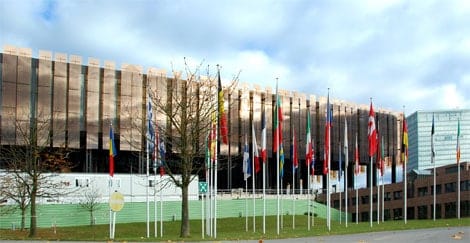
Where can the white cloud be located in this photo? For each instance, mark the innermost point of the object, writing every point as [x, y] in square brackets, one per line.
[399, 52]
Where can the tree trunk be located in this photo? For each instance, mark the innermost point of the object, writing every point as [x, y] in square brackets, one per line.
[32, 226]
[92, 222]
[184, 212]
[23, 218]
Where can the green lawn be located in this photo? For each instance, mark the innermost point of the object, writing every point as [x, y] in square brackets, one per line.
[228, 229]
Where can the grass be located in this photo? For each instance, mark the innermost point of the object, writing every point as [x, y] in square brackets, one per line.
[228, 229]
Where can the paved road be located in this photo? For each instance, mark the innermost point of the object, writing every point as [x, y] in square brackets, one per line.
[438, 235]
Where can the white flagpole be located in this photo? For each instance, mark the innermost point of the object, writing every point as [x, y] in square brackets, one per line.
[161, 209]
[383, 198]
[202, 216]
[277, 162]
[339, 184]
[253, 172]
[371, 185]
[458, 169]
[378, 194]
[110, 211]
[264, 197]
[155, 198]
[215, 183]
[147, 193]
[246, 204]
[346, 162]
[328, 175]
[308, 198]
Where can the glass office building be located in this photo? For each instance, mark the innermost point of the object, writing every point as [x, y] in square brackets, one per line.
[445, 137]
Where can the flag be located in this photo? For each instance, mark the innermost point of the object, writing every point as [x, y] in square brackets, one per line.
[222, 115]
[345, 144]
[458, 142]
[213, 139]
[208, 152]
[255, 150]
[246, 161]
[293, 152]
[112, 151]
[433, 153]
[404, 144]
[382, 160]
[328, 124]
[309, 145]
[357, 170]
[372, 132]
[162, 151]
[264, 153]
[379, 154]
[277, 124]
[339, 163]
[281, 160]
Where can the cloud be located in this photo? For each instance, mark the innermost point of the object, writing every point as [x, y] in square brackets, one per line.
[414, 54]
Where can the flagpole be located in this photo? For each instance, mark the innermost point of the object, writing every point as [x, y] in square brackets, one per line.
[405, 209]
[434, 171]
[155, 198]
[346, 162]
[458, 168]
[246, 203]
[277, 161]
[263, 156]
[264, 197]
[339, 184]
[356, 173]
[253, 172]
[147, 170]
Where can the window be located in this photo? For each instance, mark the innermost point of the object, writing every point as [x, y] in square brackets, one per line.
[397, 213]
[423, 212]
[422, 191]
[450, 210]
[365, 200]
[353, 202]
[397, 195]
[450, 187]
[438, 190]
[387, 196]
[465, 185]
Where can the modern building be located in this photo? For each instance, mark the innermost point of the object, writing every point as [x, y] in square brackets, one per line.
[445, 137]
[79, 100]
[420, 199]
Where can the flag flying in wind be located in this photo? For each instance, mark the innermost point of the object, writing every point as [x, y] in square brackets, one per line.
[255, 150]
[404, 144]
[112, 151]
[356, 158]
[328, 125]
[162, 151]
[433, 153]
[222, 115]
[382, 162]
[264, 153]
[379, 154]
[213, 140]
[309, 145]
[345, 144]
[458, 142]
[372, 132]
[246, 161]
[277, 124]
[293, 152]
[281, 160]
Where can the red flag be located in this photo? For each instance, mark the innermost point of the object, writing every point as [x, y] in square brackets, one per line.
[295, 161]
[356, 158]
[309, 145]
[255, 150]
[222, 115]
[264, 153]
[372, 132]
[277, 124]
[112, 151]
[328, 124]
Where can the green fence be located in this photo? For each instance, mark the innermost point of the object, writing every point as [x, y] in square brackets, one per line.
[73, 215]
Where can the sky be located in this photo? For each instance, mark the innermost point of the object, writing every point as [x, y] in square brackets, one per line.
[405, 55]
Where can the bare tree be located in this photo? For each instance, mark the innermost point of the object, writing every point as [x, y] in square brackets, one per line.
[91, 201]
[11, 188]
[184, 110]
[32, 162]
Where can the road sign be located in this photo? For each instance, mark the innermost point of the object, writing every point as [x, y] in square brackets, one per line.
[116, 201]
[202, 187]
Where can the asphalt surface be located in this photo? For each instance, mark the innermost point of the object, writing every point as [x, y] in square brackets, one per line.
[438, 235]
